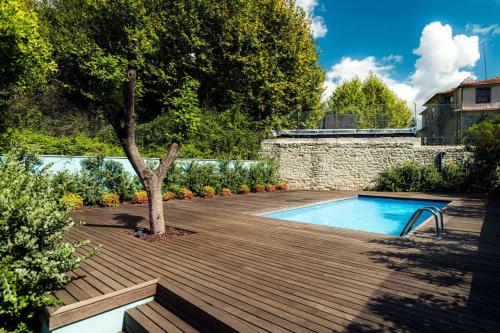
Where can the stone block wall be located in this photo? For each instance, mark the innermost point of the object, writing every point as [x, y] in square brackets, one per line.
[347, 163]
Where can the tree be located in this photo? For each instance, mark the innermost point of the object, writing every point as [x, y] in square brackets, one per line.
[24, 54]
[372, 101]
[147, 65]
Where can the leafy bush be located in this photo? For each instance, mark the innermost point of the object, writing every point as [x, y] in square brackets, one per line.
[232, 175]
[243, 189]
[198, 175]
[208, 192]
[41, 143]
[71, 201]
[483, 141]
[259, 188]
[185, 194]
[140, 197]
[110, 199]
[169, 195]
[414, 177]
[478, 174]
[226, 174]
[271, 188]
[282, 186]
[262, 172]
[33, 255]
[226, 192]
[109, 176]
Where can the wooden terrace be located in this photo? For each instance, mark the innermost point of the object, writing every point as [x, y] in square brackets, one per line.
[242, 272]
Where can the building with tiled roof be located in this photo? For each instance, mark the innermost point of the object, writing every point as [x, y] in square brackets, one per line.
[450, 113]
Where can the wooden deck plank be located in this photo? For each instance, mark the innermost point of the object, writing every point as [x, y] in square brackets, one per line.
[288, 276]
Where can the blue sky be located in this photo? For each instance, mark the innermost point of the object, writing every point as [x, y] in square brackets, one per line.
[381, 36]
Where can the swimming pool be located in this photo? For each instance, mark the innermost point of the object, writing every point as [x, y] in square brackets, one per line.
[367, 213]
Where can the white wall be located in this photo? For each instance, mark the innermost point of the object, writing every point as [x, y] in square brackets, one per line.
[469, 99]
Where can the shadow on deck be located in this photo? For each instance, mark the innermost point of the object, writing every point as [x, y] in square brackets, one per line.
[469, 261]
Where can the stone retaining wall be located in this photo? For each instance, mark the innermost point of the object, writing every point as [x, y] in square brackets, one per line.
[347, 163]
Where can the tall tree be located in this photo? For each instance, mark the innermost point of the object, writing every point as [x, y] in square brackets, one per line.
[112, 57]
[147, 65]
[372, 101]
[24, 54]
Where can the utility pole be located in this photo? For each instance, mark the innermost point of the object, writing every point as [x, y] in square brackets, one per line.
[415, 114]
[485, 68]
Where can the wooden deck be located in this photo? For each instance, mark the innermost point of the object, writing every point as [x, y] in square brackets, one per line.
[282, 276]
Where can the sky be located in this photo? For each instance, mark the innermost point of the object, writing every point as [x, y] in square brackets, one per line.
[418, 47]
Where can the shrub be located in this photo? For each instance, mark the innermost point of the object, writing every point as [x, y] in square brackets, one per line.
[226, 192]
[271, 188]
[208, 192]
[243, 189]
[109, 176]
[169, 195]
[259, 188]
[140, 197]
[282, 186]
[483, 142]
[185, 194]
[33, 254]
[413, 177]
[110, 199]
[232, 175]
[200, 175]
[453, 177]
[71, 201]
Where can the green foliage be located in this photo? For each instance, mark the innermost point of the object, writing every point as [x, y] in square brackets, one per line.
[230, 134]
[248, 63]
[33, 255]
[243, 189]
[232, 175]
[208, 192]
[483, 141]
[24, 53]
[107, 176]
[198, 175]
[76, 145]
[195, 176]
[140, 197]
[109, 199]
[372, 101]
[262, 172]
[71, 201]
[414, 177]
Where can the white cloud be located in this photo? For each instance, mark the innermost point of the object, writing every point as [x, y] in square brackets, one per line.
[440, 66]
[318, 26]
[394, 58]
[493, 29]
[442, 58]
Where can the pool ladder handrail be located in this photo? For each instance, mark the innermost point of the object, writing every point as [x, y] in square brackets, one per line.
[438, 218]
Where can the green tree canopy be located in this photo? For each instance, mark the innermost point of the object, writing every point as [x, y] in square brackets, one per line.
[372, 101]
[257, 56]
[24, 53]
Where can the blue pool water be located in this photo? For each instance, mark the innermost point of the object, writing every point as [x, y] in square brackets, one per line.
[373, 214]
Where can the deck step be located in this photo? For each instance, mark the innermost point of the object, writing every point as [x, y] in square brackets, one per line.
[177, 308]
[198, 309]
[153, 317]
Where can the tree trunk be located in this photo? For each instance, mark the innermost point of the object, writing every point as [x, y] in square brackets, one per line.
[124, 125]
[153, 188]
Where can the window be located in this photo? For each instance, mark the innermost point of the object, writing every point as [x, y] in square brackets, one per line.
[483, 95]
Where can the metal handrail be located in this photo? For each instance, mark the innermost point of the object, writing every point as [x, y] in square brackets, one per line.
[438, 218]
